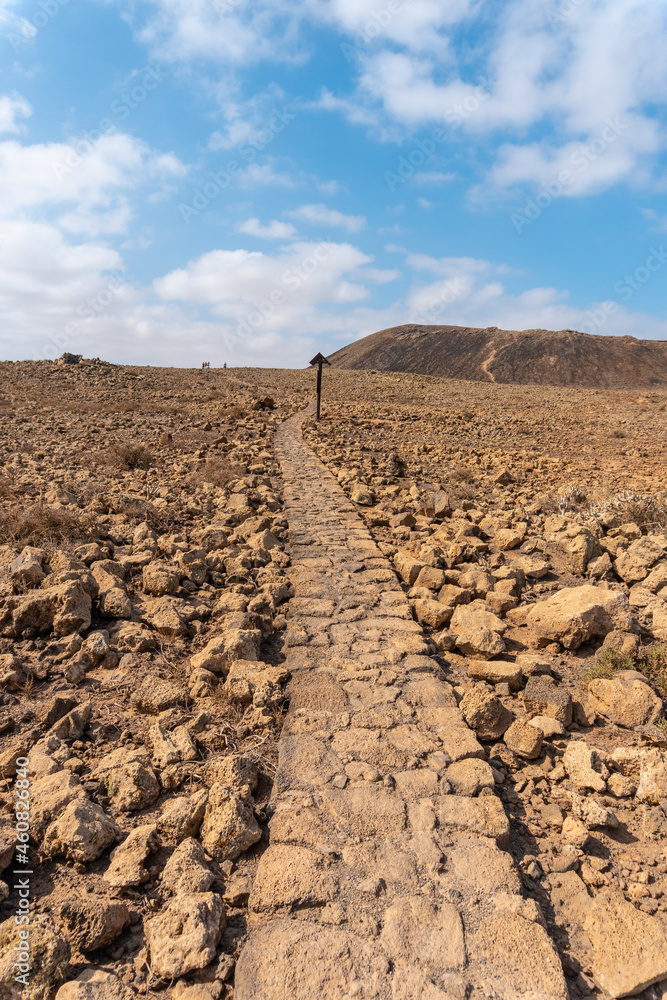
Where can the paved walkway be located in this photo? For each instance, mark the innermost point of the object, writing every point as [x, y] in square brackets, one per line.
[384, 879]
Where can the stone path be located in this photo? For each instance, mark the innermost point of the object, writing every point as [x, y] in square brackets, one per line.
[386, 877]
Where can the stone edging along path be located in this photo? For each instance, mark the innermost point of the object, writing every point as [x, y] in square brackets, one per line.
[383, 879]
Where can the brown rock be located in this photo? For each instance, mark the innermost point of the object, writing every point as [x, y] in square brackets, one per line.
[48, 963]
[407, 567]
[26, 570]
[432, 613]
[485, 713]
[221, 651]
[575, 615]
[635, 562]
[81, 832]
[584, 767]
[90, 922]
[186, 870]
[185, 934]
[127, 860]
[229, 827]
[496, 672]
[292, 876]
[95, 984]
[524, 740]
[626, 699]
[629, 947]
[652, 777]
[541, 696]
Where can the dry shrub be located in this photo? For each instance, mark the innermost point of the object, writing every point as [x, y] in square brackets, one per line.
[648, 512]
[217, 470]
[460, 474]
[40, 525]
[130, 456]
[571, 498]
[7, 488]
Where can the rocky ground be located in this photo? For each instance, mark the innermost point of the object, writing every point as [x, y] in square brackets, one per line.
[146, 594]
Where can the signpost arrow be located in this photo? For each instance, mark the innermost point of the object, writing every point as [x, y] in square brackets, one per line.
[319, 360]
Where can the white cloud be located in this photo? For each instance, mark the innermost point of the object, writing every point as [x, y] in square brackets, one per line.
[568, 78]
[227, 32]
[59, 279]
[16, 28]
[415, 24]
[320, 215]
[468, 292]
[12, 108]
[92, 176]
[274, 231]
[265, 174]
[302, 274]
[658, 222]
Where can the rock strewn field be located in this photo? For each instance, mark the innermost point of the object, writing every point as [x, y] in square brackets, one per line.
[147, 594]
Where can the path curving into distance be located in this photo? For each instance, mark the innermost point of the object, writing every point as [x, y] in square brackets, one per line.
[379, 882]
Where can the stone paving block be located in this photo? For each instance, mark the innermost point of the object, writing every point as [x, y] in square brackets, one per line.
[368, 850]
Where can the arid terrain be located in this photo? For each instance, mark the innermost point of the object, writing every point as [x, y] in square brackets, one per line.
[390, 726]
[523, 357]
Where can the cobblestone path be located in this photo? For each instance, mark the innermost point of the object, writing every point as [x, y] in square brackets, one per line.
[386, 877]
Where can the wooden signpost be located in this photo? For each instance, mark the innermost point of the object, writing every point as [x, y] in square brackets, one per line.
[319, 360]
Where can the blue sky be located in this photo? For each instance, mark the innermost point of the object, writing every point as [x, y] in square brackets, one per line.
[250, 181]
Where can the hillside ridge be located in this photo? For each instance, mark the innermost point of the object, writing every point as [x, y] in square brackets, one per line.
[527, 357]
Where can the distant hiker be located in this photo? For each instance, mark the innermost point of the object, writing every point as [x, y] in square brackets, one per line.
[225, 365]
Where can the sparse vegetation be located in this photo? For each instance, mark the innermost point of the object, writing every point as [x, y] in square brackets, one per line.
[131, 456]
[650, 661]
[217, 470]
[645, 510]
[42, 526]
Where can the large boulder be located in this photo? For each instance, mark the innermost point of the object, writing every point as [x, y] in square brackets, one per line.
[81, 832]
[407, 567]
[636, 561]
[229, 826]
[221, 651]
[629, 947]
[577, 544]
[577, 614]
[626, 699]
[46, 962]
[26, 570]
[185, 934]
[542, 696]
[485, 713]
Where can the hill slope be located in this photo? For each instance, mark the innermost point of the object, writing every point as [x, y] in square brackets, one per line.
[529, 357]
